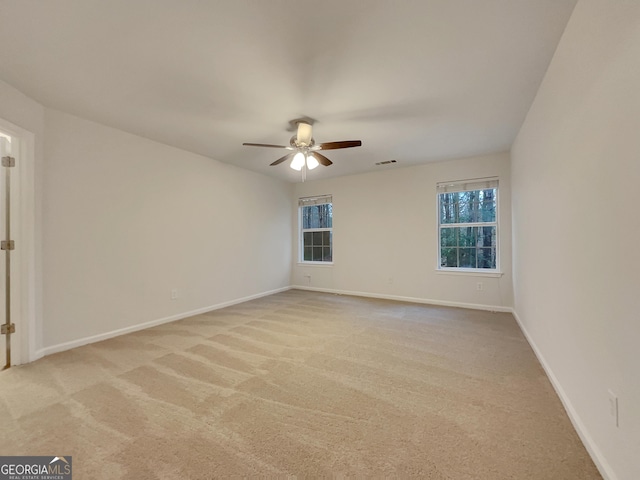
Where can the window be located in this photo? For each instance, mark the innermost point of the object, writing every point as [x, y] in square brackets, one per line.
[468, 225]
[316, 229]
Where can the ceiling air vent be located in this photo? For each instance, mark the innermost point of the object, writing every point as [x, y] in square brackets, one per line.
[386, 162]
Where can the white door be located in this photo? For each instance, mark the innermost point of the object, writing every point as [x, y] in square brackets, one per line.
[9, 148]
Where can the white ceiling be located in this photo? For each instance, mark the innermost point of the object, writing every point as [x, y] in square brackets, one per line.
[415, 80]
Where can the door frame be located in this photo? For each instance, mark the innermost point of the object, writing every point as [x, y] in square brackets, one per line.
[24, 263]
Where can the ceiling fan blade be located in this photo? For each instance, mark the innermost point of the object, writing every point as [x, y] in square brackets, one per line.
[343, 144]
[281, 159]
[265, 145]
[322, 160]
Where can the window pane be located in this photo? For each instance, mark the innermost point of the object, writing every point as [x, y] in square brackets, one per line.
[317, 238]
[307, 254]
[307, 238]
[468, 207]
[486, 258]
[487, 237]
[448, 208]
[463, 206]
[449, 257]
[488, 206]
[467, 236]
[317, 254]
[467, 258]
[448, 237]
[326, 254]
[317, 216]
[468, 247]
[326, 238]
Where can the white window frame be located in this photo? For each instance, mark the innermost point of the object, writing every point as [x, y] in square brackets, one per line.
[467, 186]
[308, 201]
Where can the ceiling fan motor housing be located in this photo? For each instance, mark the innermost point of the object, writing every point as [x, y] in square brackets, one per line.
[303, 137]
[296, 144]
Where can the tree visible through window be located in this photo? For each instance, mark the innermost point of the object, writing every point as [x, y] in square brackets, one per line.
[467, 224]
[316, 229]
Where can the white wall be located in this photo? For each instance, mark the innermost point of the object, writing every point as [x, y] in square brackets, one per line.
[386, 240]
[575, 174]
[126, 220]
[20, 110]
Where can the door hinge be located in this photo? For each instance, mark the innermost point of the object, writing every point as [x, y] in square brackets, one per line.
[8, 162]
[5, 329]
[7, 245]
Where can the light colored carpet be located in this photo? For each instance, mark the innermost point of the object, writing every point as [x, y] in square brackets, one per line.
[300, 384]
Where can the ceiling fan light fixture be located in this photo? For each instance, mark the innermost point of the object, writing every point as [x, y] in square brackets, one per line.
[298, 161]
[312, 162]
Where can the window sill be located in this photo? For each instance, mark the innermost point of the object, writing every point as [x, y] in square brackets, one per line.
[468, 273]
[315, 264]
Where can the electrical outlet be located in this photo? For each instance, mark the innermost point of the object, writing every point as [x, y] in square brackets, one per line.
[390, 280]
[613, 408]
[174, 294]
[479, 286]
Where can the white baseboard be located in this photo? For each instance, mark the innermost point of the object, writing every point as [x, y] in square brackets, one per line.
[37, 355]
[428, 301]
[141, 326]
[596, 454]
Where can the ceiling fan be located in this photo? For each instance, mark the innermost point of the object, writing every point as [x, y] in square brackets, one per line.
[304, 150]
